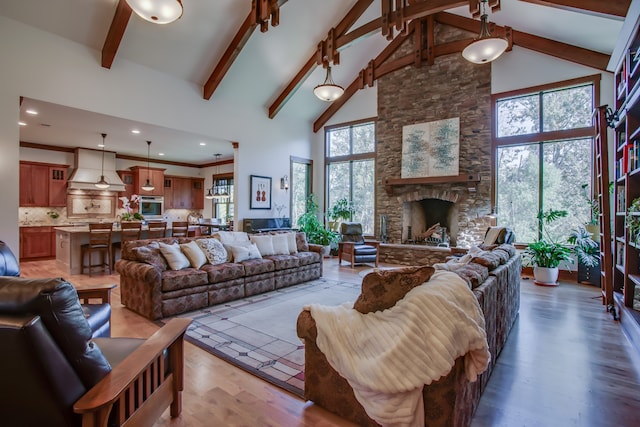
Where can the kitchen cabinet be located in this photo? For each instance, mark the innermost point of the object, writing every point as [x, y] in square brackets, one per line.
[155, 175]
[43, 185]
[183, 193]
[37, 242]
[127, 179]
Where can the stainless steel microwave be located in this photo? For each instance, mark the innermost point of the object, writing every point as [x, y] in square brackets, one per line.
[151, 206]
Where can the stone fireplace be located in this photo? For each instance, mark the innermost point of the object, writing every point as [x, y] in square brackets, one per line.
[451, 87]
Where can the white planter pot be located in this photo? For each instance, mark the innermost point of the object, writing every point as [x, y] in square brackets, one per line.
[545, 276]
[326, 251]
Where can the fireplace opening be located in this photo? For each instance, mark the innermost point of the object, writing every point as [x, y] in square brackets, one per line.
[420, 215]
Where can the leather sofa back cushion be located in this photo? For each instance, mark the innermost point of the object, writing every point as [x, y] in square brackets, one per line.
[56, 302]
[382, 289]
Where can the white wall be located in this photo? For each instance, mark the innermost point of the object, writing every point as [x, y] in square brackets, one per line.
[43, 66]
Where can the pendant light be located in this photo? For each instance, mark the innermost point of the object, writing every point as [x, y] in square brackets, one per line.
[219, 191]
[102, 183]
[157, 11]
[328, 91]
[485, 48]
[148, 186]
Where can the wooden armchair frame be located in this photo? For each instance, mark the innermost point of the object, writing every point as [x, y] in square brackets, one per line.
[346, 250]
[138, 388]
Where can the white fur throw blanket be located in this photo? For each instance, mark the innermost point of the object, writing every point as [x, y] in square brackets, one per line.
[388, 356]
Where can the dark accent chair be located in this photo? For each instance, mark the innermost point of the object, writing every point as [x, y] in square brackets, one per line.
[54, 374]
[354, 248]
[96, 299]
[500, 235]
[9, 265]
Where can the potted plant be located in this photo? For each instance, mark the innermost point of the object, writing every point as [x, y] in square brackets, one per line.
[316, 232]
[633, 221]
[341, 211]
[546, 254]
[585, 248]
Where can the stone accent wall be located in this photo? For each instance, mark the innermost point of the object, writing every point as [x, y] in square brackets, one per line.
[412, 254]
[452, 87]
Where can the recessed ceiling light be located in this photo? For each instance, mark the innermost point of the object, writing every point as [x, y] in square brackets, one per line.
[160, 154]
[22, 124]
[100, 145]
[203, 143]
[32, 112]
[136, 131]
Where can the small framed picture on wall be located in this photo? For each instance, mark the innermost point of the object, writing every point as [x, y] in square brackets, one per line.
[260, 195]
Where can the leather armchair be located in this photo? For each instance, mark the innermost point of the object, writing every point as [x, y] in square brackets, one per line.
[96, 299]
[56, 375]
[353, 246]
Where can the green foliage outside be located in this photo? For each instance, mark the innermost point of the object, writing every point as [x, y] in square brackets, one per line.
[633, 220]
[315, 230]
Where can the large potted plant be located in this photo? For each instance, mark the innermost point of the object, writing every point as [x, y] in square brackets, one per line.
[316, 232]
[546, 254]
[341, 211]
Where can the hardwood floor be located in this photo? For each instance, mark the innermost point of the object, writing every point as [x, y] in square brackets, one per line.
[566, 363]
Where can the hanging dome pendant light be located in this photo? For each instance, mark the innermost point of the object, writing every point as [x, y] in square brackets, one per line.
[485, 48]
[157, 11]
[328, 91]
[102, 183]
[148, 186]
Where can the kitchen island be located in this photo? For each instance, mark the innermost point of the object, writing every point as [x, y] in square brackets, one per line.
[69, 240]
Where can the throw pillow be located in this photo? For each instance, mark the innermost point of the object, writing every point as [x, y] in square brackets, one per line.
[293, 244]
[382, 289]
[243, 253]
[488, 259]
[174, 256]
[150, 254]
[194, 254]
[280, 244]
[301, 242]
[213, 250]
[264, 244]
[474, 274]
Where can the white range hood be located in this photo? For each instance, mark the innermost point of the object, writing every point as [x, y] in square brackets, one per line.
[88, 169]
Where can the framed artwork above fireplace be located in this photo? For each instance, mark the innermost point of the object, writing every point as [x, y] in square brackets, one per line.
[431, 149]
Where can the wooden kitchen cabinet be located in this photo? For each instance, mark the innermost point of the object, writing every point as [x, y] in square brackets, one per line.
[43, 185]
[140, 174]
[183, 193]
[37, 242]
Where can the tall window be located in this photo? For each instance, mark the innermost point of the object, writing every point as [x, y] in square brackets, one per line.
[350, 166]
[543, 153]
[223, 208]
[300, 187]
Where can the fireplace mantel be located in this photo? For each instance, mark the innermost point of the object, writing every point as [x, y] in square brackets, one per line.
[471, 179]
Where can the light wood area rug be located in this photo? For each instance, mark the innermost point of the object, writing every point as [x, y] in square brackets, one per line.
[258, 334]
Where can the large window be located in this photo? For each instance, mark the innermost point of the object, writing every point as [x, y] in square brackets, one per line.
[543, 156]
[223, 207]
[301, 172]
[350, 161]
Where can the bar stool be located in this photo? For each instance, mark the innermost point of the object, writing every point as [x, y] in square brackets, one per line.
[157, 230]
[100, 242]
[129, 230]
[179, 228]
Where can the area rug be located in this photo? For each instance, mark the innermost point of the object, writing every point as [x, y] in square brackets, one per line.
[258, 334]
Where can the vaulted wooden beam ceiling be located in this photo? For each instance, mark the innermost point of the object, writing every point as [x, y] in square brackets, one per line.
[415, 9]
[598, 7]
[337, 42]
[378, 68]
[260, 12]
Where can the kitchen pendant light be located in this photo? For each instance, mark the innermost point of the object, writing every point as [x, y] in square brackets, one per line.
[328, 91]
[219, 191]
[148, 186]
[485, 48]
[102, 183]
[157, 11]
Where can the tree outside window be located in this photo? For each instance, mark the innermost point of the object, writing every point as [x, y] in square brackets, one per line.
[543, 149]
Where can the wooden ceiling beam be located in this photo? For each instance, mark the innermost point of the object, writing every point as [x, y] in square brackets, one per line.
[550, 47]
[116, 32]
[260, 9]
[366, 77]
[338, 31]
[608, 8]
